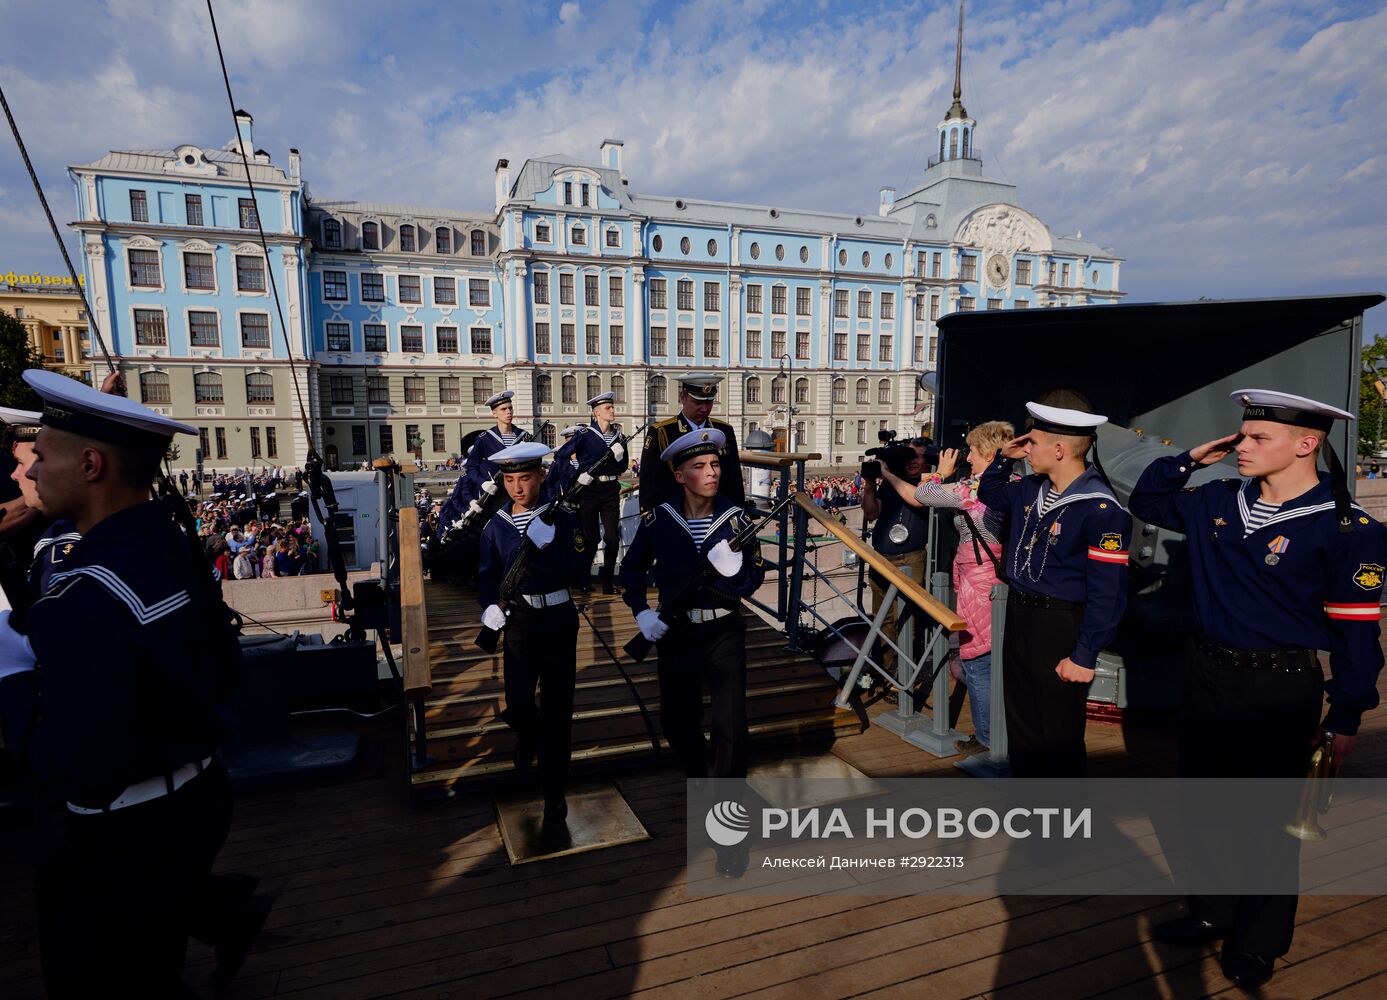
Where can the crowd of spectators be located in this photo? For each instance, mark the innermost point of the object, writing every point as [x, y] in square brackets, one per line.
[832, 492]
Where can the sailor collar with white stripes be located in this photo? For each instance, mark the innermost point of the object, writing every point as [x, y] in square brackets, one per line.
[718, 520]
[1088, 486]
[520, 521]
[1315, 500]
[517, 435]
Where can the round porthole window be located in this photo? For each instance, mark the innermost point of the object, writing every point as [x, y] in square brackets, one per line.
[866, 259]
[888, 261]
[804, 255]
[684, 245]
[842, 258]
[780, 251]
[712, 248]
[657, 243]
[756, 251]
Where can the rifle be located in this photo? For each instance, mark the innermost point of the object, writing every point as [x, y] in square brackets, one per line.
[473, 519]
[510, 584]
[638, 648]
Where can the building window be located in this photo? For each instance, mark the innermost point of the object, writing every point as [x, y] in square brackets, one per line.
[840, 303]
[447, 338]
[885, 349]
[192, 206]
[410, 289]
[1052, 273]
[618, 389]
[934, 307]
[753, 299]
[377, 389]
[565, 289]
[202, 329]
[778, 300]
[657, 243]
[753, 391]
[712, 248]
[685, 245]
[440, 443]
[568, 339]
[686, 294]
[542, 234]
[864, 304]
[260, 388]
[840, 346]
[863, 388]
[580, 236]
[139, 207]
[712, 346]
[414, 388]
[407, 244]
[339, 337]
[340, 386]
[144, 269]
[780, 251]
[884, 392]
[864, 347]
[840, 391]
[802, 302]
[933, 349]
[802, 345]
[358, 439]
[250, 273]
[271, 444]
[1064, 275]
[799, 434]
[969, 270]
[1021, 304]
[154, 387]
[478, 243]
[335, 286]
[568, 192]
[1023, 272]
[542, 344]
[843, 257]
[616, 341]
[590, 290]
[801, 390]
[777, 390]
[207, 387]
[541, 288]
[199, 271]
[585, 193]
[712, 297]
[149, 328]
[659, 293]
[445, 291]
[250, 218]
[255, 330]
[412, 339]
[888, 305]
[370, 236]
[478, 292]
[594, 385]
[659, 341]
[994, 303]
[614, 237]
[221, 442]
[753, 343]
[592, 339]
[919, 354]
[372, 287]
[332, 234]
[387, 439]
[615, 299]
[442, 240]
[659, 395]
[544, 388]
[373, 334]
[449, 389]
[777, 343]
[481, 339]
[685, 343]
[570, 389]
[862, 432]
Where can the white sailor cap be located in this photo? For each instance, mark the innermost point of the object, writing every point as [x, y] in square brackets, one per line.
[22, 425]
[602, 397]
[501, 397]
[702, 386]
[1058, 420]
[71, 406]
[1287, 408]
[568, 432]
[521, 457]
[708, 441]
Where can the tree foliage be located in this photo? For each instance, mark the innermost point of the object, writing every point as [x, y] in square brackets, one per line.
[1372, 411]
[16, 354]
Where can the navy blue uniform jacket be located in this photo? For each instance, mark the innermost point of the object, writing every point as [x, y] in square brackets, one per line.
[588, 444]
[664, 541]
[552, 567]
[477, 468]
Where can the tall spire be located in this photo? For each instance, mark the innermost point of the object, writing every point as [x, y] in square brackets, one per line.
[956, 111]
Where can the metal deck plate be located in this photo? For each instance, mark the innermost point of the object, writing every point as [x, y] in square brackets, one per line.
[598, 817]
[802, 782]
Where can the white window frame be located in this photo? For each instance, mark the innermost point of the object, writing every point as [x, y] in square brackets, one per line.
[144, 243]
[152, 307]
[188, 328]
[269, 327]
[433, 291]
[202, 248]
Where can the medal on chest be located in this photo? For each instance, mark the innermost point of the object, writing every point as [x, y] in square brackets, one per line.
[1277, 545]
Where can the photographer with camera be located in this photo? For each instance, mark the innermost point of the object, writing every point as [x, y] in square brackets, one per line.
[900, 531]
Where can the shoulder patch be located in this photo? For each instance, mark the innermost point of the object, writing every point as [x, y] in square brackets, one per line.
[1110, 542]
[649, 516]
[1369, 576]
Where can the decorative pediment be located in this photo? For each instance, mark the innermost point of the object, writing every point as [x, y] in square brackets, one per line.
[1004, 229]
[142, 243]
[190, 160]
[199, 246]
[248, 248]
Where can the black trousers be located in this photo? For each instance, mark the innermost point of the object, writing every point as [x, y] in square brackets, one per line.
[119, 893]
[1045, 716]
[1240, 722]
[540, 647]
[690, 657]
[600, 502]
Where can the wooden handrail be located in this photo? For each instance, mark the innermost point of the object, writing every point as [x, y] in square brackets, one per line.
[414, 620]
[909, 589]
[776, 459]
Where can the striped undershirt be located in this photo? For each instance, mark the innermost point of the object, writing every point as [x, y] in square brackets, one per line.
[522, 521]
[611, 434]
[698, 527]
[1047, 501]
[1258, 514]
[508, 437]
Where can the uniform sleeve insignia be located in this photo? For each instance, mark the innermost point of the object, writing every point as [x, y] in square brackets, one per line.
[649, 516]
[1111, 542]
[67, 549]
[1102, 506]
[1369, 576]
[1362, 520]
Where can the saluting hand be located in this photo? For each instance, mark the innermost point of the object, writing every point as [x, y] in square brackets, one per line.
[1071, 671]
[1016, 447]
[1215, 451]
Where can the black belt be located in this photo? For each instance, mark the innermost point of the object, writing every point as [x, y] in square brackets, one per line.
[1024, 600]
[1287, 660]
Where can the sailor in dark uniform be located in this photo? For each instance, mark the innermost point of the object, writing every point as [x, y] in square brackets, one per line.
[697, 393]
[1066, 556]
[702, 642]
[600, 501]
[540, 623]
[1282, 565]
[131, 713]
[35, 543]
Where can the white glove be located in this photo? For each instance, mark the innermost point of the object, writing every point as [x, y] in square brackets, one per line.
[474, 507]
[652, 626]
[724, 560]
[494, 618]
[539, 532]
[618, 452]
[489, 487]
[16, 655]
[585, 478]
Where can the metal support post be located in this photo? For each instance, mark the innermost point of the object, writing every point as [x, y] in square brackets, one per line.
[994, 763]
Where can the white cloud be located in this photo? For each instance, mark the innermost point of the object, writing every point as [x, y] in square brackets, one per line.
[568, 12]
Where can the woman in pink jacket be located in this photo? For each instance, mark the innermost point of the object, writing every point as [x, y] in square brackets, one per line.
[975, 564]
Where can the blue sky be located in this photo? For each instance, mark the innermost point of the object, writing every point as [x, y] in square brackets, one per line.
[1230, 148]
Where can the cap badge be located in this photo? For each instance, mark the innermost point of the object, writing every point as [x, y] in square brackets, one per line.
[705, 436]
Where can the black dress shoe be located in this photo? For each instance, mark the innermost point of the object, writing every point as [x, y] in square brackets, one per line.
[1246, 969]
[555, 811]
[232, 949]
[609, 588]
[1188, 931]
